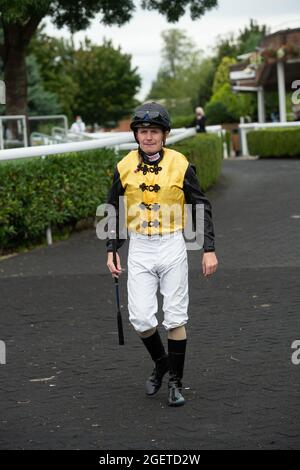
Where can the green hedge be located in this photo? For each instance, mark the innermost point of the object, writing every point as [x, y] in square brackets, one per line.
[60, 190]
[206, 153]
[284, 142]
[182, 121]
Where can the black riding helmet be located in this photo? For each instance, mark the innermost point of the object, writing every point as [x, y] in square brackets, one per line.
[150, 114]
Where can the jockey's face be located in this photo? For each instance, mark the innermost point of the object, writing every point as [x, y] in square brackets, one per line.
[150, 139]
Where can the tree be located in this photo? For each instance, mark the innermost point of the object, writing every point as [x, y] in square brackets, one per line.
[178, 52]
[217, 113]
[96, 82]
[106, 83]
[55, 58]
[224, 103]
[250, 37]
[40, 101]
[229, 104]
[222, 73]
[184, 79]
[203, 78]
[225, 47]
[246, 41]
[20, 20]
[232, 105]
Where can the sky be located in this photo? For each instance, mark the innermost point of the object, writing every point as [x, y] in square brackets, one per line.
[141, 37]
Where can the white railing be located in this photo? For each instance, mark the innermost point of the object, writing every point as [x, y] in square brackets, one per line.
[22, 129]
[38, 138]
[255, 126]
[117, 140]
[52, 117]
[59, 133]
[43, 150]
[63, 136]
[175, 136]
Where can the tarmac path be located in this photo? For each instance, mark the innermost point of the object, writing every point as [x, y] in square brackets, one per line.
[67, 384]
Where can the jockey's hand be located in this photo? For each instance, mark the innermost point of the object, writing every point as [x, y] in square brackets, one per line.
[115, 270]
[209, 263]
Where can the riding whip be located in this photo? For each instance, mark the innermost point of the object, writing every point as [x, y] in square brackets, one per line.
[119, 316]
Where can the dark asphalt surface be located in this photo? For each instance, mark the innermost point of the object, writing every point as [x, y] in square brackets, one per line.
[58, 320]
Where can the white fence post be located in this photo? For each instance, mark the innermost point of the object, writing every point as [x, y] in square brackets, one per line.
[225, 149]
[244, 143]
[49, 235]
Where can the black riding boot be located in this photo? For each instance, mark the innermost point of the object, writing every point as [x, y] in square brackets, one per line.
[177, 350]
[156, 349]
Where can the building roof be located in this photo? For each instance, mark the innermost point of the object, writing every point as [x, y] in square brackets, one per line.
[259, 68]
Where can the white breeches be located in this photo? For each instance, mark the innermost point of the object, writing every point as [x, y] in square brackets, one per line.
[151, 261]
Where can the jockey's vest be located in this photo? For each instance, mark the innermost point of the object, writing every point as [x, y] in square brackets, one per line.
[154, 197]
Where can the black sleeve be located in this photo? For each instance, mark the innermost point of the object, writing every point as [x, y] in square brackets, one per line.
[194, 196]
[114, 193]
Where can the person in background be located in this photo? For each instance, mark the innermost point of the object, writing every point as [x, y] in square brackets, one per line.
[199, 121]
[78, 126]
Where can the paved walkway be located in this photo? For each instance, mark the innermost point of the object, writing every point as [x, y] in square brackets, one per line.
[68, 385]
